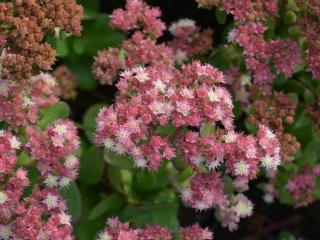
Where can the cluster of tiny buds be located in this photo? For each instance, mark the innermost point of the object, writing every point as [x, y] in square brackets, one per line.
[285, 55]
[142, 47]
[117, 230]
[303, 185]
[25, 24]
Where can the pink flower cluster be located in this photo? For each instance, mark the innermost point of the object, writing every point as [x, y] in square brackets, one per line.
[239, 85]
[259, 54]
[138, 16]
[137, 50]
[40, 216]
[314, 59]
[117, 230]
[205, 191]
[270, 148]
[153, 98]
[149, 98]
[9, 144]
[303, 185]
[310, 28]
[142, 48]
[56, 147]
[196, 232]
[13, 181]
[286, 56]
[241, 156]
[24, 218]
[189, 40]
[159, 96]
[20, 106]
[235, 208]
[246, 10]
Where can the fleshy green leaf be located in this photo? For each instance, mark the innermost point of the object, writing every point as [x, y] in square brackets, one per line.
[89, 119]
[111, 202]
[206, 129]
[221, 16]
[57, 111]
[91, 166]
[122, 161]
[167, 130]
[73, 197]
[24, 159]
[145, 181]
[308, 96]
[161, 214]
[120, 179]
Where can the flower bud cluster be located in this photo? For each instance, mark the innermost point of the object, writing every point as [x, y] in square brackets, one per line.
[56, 147]
[142, 47]
[244, 11]
[303, 185]
[310, 28]
[24, 26]
[67, 82]
[260, 54]
[189, 40]
[276, 110]
[19, 106]
[117, 230]
[235, 208]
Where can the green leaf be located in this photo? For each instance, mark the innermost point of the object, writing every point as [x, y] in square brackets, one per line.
[292, 5]
[87, 230]
[120, 179]
[286, 236]
[289, 18]
[164, 214]
[78, 46]
[89, 119]
[185, 174]
[122, 161]
[167, 130]
[206, 129]
[250, 126]
[81, 67]
[109, 203]
[91, 166]
[73, 197]
[24, 159]
[165, 196]
[301, 120]
[221, 16]
[294, 31]
[33, 175]
[57, 111]
[145, 181]
[91, 8]
[280, 80]
[294, 97]
[62, 48]
[303, 6]
[97, 31]
[308, 96]
[179, 163]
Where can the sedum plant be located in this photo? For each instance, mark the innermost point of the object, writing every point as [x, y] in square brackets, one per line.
[179, 123]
